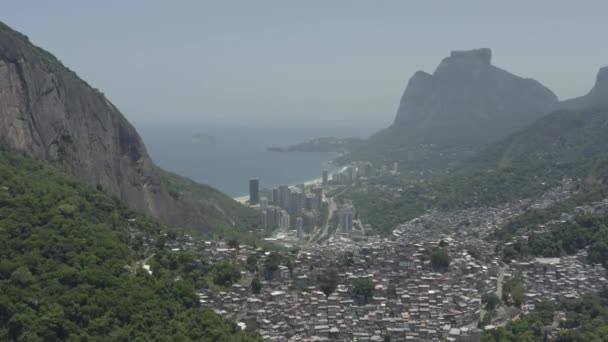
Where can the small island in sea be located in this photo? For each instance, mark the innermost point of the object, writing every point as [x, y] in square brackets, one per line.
[203, 138]
[324, 144]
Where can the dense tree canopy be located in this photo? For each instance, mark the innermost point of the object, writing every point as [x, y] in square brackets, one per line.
[363, 289]
[440, 259]
[69, 257]
[586, 320]
[328, 281]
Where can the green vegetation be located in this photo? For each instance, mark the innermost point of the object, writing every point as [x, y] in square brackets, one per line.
[363, 289]
[564, 238]
[256, 286]
[328, 281]
[530, 219]
[586, 319]
[251, 264]
[490, 301]
[528, 163]
[17, 40]
[440, 259]
[271, 264]
[44, 55]
[69, 258]
[234, 221]
[513, 291]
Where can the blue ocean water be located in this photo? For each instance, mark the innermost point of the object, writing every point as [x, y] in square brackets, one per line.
[226, 156]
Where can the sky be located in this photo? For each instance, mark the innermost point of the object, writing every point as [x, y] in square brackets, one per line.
[294, 61]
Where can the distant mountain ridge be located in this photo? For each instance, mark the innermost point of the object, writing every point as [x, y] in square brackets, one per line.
[597, 96]
[466, 101]
[564, 138]
[47, 112]
[565, 143]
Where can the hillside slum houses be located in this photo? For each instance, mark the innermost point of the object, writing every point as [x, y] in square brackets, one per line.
[410, 301]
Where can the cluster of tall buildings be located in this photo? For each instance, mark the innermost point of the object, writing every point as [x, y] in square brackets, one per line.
[347, 216]
[353, 172]
[286, 207]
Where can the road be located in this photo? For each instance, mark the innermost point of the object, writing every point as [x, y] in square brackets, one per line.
[499, 281]
[323, 231]
[499, 284]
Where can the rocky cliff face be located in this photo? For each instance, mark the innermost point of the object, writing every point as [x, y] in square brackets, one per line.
[597, 97]
[468, 99]
[47, 112]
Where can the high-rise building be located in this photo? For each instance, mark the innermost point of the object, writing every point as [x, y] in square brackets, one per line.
[263, 203]
[347, 215]
[309, 202]
[254, 191]
[285, 221]
[299, 227]
[325, 177]
[296, 201]
[274, 217]
[264, 219]
[275, 196]
[283, 196]
[318, 192]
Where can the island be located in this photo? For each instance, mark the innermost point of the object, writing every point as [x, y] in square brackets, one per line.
[324, 144]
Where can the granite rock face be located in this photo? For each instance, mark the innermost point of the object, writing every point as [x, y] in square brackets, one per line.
[47, 112]
[469, 100]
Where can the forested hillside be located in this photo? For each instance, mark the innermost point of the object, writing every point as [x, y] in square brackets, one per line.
[581, 320]
[527, 163]
[69, 267]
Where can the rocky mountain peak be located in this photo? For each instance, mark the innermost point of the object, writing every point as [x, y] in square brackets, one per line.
[483, 55]
[598, 96]
[601, 80]
[48, 112]
[467, 99]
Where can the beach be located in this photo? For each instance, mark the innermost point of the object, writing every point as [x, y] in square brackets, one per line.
[317, 181]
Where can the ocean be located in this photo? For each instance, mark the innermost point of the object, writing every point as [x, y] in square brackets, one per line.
[227, 155]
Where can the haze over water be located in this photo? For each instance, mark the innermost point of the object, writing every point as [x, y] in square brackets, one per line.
[228, 154]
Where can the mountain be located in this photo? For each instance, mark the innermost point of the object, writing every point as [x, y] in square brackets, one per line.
[48, 112]
[466, 101]
[564, 143]
[567, 136]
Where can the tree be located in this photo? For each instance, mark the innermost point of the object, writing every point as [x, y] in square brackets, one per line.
[491, 300]
[234, 243]
[256, 286]
[440, 259]
[251, 264]
[226, 274]
[289, 265]
[328, 281]
[63, 274]
[272, 263]
[363, 289]
[518, 293]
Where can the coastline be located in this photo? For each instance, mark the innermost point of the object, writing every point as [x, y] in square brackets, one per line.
[316, 181]
[244, 198]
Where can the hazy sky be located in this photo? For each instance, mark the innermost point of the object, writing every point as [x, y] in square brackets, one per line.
[196, 61]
